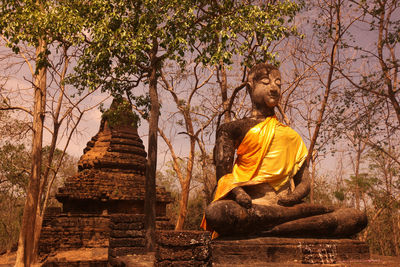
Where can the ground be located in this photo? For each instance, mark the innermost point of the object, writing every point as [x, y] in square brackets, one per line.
[8, 259]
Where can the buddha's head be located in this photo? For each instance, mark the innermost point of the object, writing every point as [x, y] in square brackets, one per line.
[264, 86]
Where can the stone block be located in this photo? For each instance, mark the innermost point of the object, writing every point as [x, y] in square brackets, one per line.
[183, 248]
[182, 264]
[174, 253]
[183, 238]
[126, 218]
[127, 233]
[286, 250]
[202, 253]
[116, 262]
[123, 251]
[127, 242]
[127, 226]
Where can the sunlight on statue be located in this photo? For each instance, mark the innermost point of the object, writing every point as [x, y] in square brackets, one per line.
[262, 192]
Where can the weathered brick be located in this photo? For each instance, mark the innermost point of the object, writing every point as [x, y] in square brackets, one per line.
[122, 251]
[126, 218]
[127, 233]
[127, 226]
[191, 263]
[127, 242]
[183, 238]
[174, 253]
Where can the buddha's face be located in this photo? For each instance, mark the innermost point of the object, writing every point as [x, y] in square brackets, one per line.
[267, 90]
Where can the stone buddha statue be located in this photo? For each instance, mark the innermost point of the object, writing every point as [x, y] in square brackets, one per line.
[262, 192]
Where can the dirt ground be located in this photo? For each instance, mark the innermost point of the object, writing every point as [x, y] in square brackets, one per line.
[84, 254]
[8, 259]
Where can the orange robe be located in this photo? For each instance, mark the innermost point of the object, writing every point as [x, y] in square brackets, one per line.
[271, 152]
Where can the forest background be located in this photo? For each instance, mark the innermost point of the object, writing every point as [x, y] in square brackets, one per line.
[340, 68]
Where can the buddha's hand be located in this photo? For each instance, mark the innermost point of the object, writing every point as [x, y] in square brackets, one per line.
[288, 200]
[241, 197]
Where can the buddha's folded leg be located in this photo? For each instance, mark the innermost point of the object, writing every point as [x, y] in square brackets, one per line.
[276, 214]
[229, 218]
[226, 217]
[340, 223]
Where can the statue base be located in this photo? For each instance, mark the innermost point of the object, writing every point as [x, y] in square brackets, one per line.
[262, 250]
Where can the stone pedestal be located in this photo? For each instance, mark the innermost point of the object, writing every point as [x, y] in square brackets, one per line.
[183, 248]
[127, 236]
[263, 250]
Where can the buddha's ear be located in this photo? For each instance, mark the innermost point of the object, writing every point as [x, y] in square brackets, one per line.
[249, 87]
[250, 81]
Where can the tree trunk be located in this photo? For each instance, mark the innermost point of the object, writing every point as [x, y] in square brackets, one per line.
[183, 204]
[357, 188]
[42, 202]
[25, 253]
[222, 80]
[391, 90]
[312, 198]
[150, 198]
[395, 233]
[38, 230]
[44, 195]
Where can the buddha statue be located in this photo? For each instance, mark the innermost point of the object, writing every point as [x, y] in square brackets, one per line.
[262, 192]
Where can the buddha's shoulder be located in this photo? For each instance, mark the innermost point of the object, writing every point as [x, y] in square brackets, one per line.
[239, 126]
[286, 131]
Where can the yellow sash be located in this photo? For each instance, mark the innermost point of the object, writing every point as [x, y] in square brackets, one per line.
[269, 153]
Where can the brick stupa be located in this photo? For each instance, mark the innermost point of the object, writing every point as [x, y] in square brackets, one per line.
[111, 177]
[108, 190]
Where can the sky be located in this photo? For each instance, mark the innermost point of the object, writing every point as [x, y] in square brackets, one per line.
[19, 77]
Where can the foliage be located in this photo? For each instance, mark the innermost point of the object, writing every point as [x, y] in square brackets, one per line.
[378, 189]
[27, 22]
[324, 191]
[121, 115]
[196, 207]
[14, 169]
[122, 33]
[245, 28]
[14, 175]
[11, 128]
[11, 209]
[196, 203]
[198, 197]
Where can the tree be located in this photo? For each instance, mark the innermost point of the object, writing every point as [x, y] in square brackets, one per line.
[381, 79]
[128, 43]
[190, 113]
[311, 95]
[43, 36]
[196, 202]
[385, 198]
[374, 73]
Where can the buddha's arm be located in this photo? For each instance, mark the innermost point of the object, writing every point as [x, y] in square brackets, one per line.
[302, 189]
[224, 151]
[229, 135]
